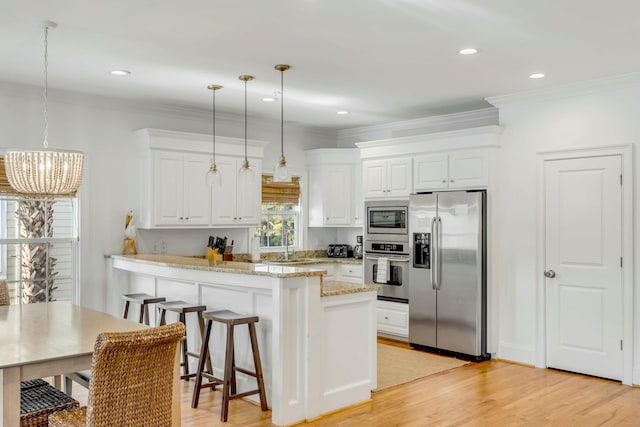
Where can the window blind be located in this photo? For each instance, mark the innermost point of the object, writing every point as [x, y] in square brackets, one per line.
[280, 192]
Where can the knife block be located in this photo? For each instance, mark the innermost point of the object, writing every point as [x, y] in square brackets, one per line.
[213, 255]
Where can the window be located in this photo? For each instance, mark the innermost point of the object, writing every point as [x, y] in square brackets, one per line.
[280, 213]
[38, 245]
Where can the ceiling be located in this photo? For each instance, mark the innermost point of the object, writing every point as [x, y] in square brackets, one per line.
[381, 60]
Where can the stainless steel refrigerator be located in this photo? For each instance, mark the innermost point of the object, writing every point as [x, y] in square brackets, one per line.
[447, 282]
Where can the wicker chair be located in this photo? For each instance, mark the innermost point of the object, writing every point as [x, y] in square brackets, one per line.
[131, 380]
[4, 293]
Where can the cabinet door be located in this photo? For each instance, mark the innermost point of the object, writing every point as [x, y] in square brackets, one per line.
[468, 169]
[197, 194]
[431, 172]
[167, 189]
[350, 272]
[223, 202]
[337, 195]
[374, 178]
[249, 198]
[358, 199]
[399, 177]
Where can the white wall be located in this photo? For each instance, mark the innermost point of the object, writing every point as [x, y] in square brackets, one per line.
[102, 128]
[582, 117]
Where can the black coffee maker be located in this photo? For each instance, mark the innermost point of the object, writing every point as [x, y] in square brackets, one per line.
[357, 249]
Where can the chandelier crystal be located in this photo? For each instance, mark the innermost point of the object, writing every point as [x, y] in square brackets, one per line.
[44, 172]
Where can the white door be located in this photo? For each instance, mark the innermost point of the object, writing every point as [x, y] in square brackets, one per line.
[223, 200]
[168, 179]
[249, 197]
[400, 179]
[374, 178]
[583, 203]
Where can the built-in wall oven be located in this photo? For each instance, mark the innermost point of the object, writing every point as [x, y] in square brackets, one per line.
[386, 249]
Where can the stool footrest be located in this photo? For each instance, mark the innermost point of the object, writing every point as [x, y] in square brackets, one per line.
[243, 394]
[246, 372]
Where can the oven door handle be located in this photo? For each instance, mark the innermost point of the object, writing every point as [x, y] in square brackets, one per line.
[372, 258]
[434, 257]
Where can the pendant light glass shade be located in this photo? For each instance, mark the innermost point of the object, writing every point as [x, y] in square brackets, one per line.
[44, 172]
[281, 172]
[214, 177]
[246, 174]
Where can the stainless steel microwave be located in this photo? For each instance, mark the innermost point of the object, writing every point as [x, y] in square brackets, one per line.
[387, 217]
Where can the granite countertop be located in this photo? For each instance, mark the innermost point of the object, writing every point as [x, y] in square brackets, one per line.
[258, 269]
[279, 269]
[331, 288]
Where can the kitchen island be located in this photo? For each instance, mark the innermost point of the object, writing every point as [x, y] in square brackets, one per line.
[317, 340]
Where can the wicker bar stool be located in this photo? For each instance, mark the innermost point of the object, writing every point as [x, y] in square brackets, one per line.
[229, 387]
[144, 300]
[182, 308]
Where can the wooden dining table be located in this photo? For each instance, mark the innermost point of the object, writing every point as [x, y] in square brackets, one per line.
[54, 338]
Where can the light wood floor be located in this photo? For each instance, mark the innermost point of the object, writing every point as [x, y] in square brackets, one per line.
[493, 393]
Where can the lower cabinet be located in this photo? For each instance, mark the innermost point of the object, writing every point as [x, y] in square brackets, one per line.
[393, 319]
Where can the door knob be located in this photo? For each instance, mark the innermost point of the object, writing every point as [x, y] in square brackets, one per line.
[549, 274]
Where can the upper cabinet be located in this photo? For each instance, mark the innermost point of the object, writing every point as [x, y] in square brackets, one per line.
[173, 192]
[387, 178]
[335, 192]
[459, 159]
[234, 202]
[180, 198]
[457, 170]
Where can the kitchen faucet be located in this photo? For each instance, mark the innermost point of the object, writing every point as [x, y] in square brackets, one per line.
[285, 236]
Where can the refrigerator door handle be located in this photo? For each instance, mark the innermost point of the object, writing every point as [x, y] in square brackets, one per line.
[433, 253]
[437, 250]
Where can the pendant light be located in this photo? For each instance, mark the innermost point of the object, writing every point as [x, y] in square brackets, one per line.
[245, 173]
[214, 177]
[281, 172]
[44, 172]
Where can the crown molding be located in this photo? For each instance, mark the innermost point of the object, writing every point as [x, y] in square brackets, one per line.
[101, 102]
[462, 139]
[568, 90]
[426, 125]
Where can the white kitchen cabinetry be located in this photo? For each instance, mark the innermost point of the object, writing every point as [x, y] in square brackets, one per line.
[234, 203]
[181, 196]
[387, 178]
[393, 319]
[461, 169]
[335, 193]
[349, 272]
[173, 192]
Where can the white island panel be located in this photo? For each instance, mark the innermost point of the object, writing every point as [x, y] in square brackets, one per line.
[318, 353]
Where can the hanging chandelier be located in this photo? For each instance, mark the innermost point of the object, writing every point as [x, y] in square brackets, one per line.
[214, 177]
[281, 172]
[44, 172]
[245, 173]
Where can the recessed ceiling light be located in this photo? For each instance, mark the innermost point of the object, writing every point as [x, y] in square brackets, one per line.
[536, 76]
[120, 72]
[342, 112]
[468, 51]
[268, 99]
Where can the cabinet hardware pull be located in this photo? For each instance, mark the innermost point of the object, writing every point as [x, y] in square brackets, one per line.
[444, 181]
[451, 180]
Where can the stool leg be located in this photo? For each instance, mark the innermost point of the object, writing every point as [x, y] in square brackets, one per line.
[185, 357]
[228, 369]
[201, 325]
[234, 383]
[126, 310]
[163, 317]
[258, 366]
[204, 353]
[146, 314]
[141, 316]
